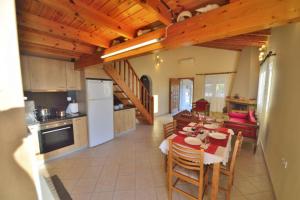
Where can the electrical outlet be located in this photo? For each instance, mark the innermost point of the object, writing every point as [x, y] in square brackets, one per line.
[284, 163]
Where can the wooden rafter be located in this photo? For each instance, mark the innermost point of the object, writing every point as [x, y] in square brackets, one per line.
[241, 40]
[44, 51]
[238, 18]
[79, 9]
[57, 29]
[144, 38]
[95, 59]
[31, 36]
[158, 9]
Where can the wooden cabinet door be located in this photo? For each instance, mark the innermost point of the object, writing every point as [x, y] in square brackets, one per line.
[73, 77]
[80, 131]
[47, 74]
[174, 95]
[25, 73]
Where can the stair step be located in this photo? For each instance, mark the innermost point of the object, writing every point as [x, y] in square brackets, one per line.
[124, 98]
[118, 91]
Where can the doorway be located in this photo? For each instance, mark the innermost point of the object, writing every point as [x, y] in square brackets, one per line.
[181, 94]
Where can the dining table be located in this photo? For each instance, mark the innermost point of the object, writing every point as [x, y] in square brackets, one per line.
[216, 150]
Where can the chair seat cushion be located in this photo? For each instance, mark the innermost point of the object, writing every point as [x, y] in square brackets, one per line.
[239, 120]
[186, 172]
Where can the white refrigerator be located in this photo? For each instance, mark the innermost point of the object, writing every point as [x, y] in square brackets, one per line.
[100, 111]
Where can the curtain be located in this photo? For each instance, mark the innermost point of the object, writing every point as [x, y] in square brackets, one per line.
[216, 88]
[264, 91]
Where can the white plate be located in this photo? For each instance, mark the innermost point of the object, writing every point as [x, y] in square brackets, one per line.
[216, 135]
[211, 126]
[192, 124]
[182, 132]
[193, 141]
[187, 129]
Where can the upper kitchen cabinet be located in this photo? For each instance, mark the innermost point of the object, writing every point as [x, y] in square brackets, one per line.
[25, 73]
[73, 77]
[47, 74]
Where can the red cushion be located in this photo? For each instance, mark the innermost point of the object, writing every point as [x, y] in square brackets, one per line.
[251, 116]
[238, 115]
[239, 120]
[201, 105]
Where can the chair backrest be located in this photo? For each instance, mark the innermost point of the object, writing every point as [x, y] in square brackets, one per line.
[236, 149]
[187, 158]
[169, 128]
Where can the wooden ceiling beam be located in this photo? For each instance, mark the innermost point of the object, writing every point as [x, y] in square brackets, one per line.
[79, 9]
[239, 17]
[244, 40]
[158, 9]
[157, 34]
[57, 29]
[95, 59]
[31, 36]
[220, 46]
[44, 51]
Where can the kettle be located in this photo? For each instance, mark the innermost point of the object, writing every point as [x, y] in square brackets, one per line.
[72, 108]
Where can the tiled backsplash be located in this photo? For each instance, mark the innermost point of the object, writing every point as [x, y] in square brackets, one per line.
[50, 99]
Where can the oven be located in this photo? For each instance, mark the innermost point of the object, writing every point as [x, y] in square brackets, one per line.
[55, 135]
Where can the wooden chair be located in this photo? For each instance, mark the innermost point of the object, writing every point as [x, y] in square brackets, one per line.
[229, 169]
[169, 128]
[185, 164]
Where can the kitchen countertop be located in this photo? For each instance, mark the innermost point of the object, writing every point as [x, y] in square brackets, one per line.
[125, 108]
[62, 118]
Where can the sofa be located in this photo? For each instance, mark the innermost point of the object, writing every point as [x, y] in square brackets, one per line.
[245, 122]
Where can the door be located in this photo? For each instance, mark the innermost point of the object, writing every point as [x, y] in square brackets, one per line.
[186, 94]
[100, 121]
[174, 95]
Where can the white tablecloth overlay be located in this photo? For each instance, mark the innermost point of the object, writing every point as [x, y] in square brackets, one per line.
[221, 154]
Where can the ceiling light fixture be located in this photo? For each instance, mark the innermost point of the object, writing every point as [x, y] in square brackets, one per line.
[131, 48]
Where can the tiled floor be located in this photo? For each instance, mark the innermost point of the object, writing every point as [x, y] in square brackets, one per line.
[131, 167]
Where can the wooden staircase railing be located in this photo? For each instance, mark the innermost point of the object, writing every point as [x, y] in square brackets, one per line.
[128, 81]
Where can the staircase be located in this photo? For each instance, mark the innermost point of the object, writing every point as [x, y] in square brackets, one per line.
[130, 90]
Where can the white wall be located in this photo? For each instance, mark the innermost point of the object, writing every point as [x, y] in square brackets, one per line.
[281, 139]
[206, 60]
[246, 80]
[15, 167]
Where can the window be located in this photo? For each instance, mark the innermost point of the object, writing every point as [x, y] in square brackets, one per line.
[215, 90]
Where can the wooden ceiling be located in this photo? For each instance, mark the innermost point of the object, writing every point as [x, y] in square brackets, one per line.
[72, 28]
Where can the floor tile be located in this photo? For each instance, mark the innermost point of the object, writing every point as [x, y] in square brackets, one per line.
[132, 167]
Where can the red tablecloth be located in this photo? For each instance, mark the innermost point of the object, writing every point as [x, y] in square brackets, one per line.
[213, 145]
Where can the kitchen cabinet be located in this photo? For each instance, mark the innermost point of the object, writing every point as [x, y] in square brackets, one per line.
[47, 74]
[124, 120]
[25, 73]
[73, 77]
[80, 131]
